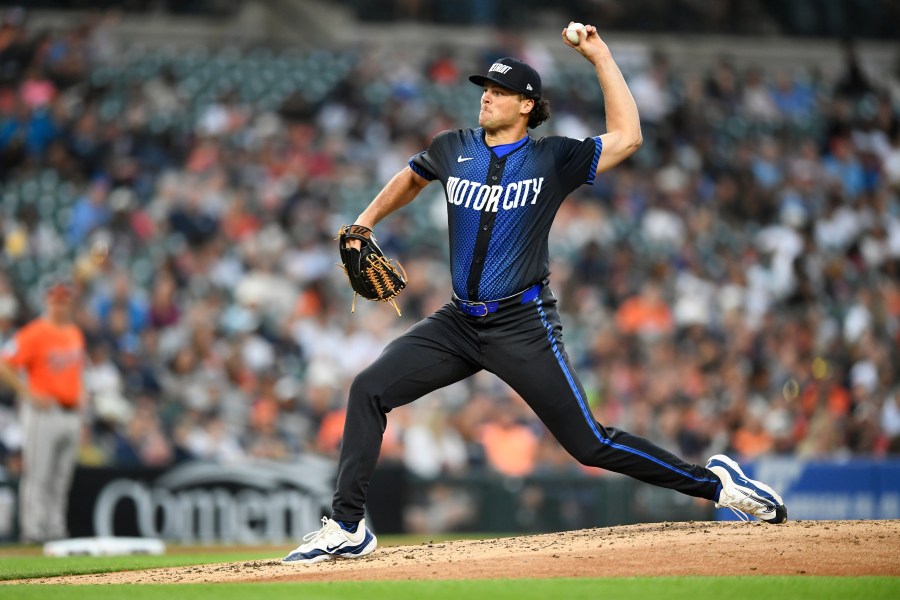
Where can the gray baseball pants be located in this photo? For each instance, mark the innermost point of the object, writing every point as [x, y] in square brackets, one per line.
[49, 455]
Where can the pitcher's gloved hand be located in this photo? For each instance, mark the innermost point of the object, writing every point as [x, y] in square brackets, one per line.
[371, 275]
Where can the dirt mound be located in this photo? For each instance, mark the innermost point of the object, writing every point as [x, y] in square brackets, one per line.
[698, 548]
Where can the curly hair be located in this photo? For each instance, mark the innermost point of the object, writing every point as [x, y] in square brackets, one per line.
[540, 113]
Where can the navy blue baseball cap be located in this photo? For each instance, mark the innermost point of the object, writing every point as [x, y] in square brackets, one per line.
[513, 74]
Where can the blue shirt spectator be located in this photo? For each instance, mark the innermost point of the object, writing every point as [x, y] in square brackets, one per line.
[90, 212]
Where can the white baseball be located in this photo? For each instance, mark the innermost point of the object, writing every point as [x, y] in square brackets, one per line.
[572, 32]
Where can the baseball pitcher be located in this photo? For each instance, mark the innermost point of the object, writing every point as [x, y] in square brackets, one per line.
[502, 189]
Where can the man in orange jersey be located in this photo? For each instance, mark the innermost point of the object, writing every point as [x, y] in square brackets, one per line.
[50, 352]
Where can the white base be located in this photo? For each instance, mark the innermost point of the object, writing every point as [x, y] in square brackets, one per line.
[104, 546]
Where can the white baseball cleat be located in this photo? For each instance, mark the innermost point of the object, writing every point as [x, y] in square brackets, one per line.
[743, 495]
[332, 541]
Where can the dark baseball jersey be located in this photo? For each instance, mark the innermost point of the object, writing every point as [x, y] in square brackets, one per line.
[501, 208]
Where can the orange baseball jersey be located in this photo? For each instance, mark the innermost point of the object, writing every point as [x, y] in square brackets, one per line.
[52, 356]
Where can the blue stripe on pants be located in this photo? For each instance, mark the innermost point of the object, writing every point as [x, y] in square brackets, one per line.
[585, 411]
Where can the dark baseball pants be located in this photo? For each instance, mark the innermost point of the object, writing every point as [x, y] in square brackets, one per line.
[523, 346]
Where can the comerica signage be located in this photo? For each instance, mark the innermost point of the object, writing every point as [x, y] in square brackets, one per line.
[202, 502]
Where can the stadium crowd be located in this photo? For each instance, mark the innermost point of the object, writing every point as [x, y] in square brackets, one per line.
[734, 287]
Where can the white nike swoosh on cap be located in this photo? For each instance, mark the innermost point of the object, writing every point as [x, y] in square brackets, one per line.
[460, 159]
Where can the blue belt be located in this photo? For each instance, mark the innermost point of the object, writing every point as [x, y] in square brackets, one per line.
[481, 309]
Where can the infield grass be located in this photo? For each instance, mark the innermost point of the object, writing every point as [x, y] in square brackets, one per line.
[24, 567]
[676, 588]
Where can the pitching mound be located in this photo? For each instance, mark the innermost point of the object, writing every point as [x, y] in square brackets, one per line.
[797, 547]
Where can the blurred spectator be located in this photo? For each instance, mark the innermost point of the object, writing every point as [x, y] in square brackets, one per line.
[758, 102]
[164, 310]
[792, 98]
[36, 91]
[431, 446]
[646, 313]
[890, 421]
[509, 445]
[264, 439]
[652, 92]
[90, 212]
[142, 441]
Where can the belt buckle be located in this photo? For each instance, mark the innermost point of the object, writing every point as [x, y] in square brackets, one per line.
[475, 309]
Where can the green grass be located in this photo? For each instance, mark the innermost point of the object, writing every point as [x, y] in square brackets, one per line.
[22, 567]
[688, 588]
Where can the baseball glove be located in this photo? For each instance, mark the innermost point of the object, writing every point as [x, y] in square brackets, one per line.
[371, 275]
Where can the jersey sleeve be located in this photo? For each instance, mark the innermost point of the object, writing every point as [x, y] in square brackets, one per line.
[19, 351]
[576, 161]
[429, 163]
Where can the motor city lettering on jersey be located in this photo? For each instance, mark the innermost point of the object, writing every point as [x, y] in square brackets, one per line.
[491, 198]
[204, 502]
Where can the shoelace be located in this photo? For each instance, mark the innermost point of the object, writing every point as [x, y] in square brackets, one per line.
[741, 515]
[742, 507]
[315, 535]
